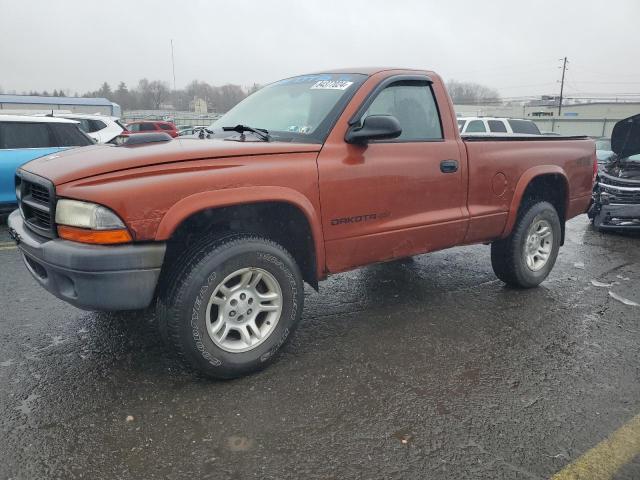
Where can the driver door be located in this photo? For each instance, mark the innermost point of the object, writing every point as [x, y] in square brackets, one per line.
[393, 198]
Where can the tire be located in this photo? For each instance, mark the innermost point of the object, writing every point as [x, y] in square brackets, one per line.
[188, 321]
[509, 256]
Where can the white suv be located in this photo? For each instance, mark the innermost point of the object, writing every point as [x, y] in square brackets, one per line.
[496, 126]
[101, 128]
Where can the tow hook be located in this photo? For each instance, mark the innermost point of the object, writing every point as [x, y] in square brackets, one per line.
[15, 236]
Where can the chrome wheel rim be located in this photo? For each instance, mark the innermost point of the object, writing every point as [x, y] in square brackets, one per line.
[244, 309]
[538, 245]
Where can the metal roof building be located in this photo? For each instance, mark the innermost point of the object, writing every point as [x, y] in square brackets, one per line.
[39, 104]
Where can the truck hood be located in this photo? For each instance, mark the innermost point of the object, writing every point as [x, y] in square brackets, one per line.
[84, 162]
[625, 137]
[625, 143]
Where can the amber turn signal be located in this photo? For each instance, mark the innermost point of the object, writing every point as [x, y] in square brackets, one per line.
[99, 237]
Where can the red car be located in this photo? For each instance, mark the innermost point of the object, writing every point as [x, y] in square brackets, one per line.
[149, 127]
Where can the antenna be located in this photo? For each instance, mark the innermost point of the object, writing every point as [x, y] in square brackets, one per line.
[173, 66]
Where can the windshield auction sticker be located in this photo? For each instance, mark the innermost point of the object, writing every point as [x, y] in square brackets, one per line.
[331, 85]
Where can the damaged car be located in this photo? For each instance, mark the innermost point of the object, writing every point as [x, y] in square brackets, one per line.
[616, 194]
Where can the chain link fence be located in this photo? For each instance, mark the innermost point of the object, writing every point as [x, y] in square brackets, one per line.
[180, 119]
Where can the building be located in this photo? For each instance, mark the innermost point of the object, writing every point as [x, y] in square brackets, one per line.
[593, 118]
[198, 105]
[39, 104]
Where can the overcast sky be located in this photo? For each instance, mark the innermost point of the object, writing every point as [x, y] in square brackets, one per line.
[512, 46]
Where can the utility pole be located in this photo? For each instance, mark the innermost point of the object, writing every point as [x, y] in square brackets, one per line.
[173, 66]
[564, 68]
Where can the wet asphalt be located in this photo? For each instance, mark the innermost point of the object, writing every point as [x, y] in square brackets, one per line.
[427, 368]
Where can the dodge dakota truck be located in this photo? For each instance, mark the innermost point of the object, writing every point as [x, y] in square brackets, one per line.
[309, 176]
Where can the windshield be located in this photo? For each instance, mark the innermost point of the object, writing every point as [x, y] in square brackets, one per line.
[296, 109]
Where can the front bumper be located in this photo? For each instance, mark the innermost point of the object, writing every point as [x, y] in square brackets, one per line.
[616, 216]
[91, 277]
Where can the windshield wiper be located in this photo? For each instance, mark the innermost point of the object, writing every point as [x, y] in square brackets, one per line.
[241, 129]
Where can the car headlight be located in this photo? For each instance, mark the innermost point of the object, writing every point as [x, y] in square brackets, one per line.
[89, 223]
[86, 215]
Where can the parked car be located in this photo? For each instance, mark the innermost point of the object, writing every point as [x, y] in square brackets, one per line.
[616, 194]
[101, 128]
[195, 130]
[350, 169]
[497, 126]
[23, 138]
[149, 126]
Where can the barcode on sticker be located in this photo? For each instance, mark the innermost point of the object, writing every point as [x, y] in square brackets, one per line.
[331, 85]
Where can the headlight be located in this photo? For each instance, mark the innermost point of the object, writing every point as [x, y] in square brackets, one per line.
[86, 215]
[89, 223]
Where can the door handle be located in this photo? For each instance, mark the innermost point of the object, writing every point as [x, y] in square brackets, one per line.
[449, 166]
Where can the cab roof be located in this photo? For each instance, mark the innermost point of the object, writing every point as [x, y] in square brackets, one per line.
[373, 70]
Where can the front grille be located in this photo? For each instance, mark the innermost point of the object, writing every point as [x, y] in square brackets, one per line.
[36, 199]
[622, 195]
[609, 180]
[39, 193]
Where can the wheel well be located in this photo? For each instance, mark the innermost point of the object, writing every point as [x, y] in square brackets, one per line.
[281, 222]
[550, 188]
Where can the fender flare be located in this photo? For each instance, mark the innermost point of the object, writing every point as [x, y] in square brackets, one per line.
[525, 179]
[201, 201]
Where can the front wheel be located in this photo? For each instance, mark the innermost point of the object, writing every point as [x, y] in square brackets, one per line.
[525, 258]
[233, 306]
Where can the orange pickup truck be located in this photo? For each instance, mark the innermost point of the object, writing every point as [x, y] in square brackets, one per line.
[309, 176]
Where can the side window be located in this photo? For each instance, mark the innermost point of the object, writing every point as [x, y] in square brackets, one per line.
[147, 127]
[68, 135]
[83, 124]
[24, 135]
[476, 126]
[524, 126]
[497, 126]
[415, 108]
[133, 127]
[96, 125]
[164, 126]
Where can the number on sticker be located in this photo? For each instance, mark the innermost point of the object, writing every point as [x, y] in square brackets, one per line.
[331, 85]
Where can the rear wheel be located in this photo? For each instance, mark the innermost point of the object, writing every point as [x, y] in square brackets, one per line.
[232, 306]
[525, 258]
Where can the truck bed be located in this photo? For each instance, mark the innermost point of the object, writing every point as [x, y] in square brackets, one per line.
[521, 138]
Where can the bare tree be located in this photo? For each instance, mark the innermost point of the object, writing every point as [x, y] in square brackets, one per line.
[471, 93]
[159, 93]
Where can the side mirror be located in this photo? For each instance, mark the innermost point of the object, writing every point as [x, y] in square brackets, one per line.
[374, 127]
